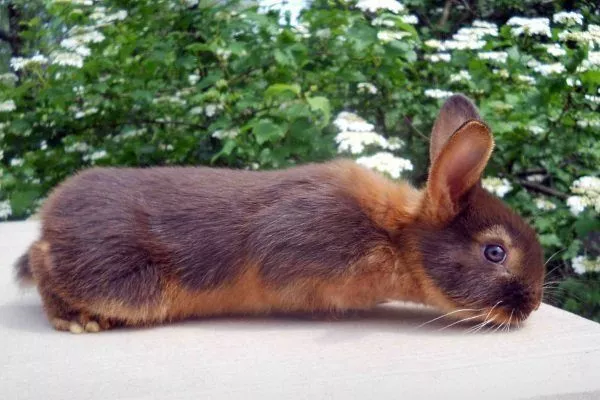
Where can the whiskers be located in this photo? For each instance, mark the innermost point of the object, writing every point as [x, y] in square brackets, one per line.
[486, 321]
[553, 292]
[461, 321]
[490, 321]
[447, 314]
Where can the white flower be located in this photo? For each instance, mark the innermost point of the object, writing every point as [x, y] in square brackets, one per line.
[501, 72]
[18, 63]
[463, 43]
[588, 185]
[79, 90]
[438, 57]
[196, 110]
[530, 26]
[96, 155]
[80, 147]
[555, 50]
[499, 56]
[582, 264]
[9, 77]
[120, 15]
[547, 69]
[592, 99]
[380, 21]
[437, 93]
[5, 209]
[193, 79]
[526, 78]
[88, 37]
[590, 37]
[462, 76]
[367, 87]
[127, 134]
[489, 27]
[223, 53]
[387, 163]
[76, 2]
[303, 30]
[535, 129]
[191, 3]
[499, 187]
[16, 162]
[587, 194]
[225, 134]
[43, 145]
[470, 38]
[435, 44]
[585, 123]
[8, 106]
[576, 204]
[323, 33]
[80, 114]
[67, 59]
[536, 177]
[410, 19]
[573, 82]
[70, 43]
[356, 142]
[176, 99]
[347, 121]
[544, 205]
[568, 18]
[211, 109]
[102, 19]
[388, 36]
[591, 62]
[375, 5]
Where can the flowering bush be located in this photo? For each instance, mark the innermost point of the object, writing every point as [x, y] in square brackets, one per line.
[111, 82]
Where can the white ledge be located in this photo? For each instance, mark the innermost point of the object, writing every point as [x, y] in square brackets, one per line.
[374, 355]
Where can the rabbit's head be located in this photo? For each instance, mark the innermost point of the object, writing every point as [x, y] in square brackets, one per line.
[481, 256]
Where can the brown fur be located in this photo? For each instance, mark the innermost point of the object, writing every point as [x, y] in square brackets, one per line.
[144, 246]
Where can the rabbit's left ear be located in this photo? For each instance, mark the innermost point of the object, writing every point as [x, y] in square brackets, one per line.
[459, 161]
[457, 110]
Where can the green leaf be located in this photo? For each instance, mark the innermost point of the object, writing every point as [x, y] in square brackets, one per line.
[592, 77]
[321, 103]
[267, 131]
[22, 201]
[278, 89]
[549, 240]
[585, 225]
[226, 150]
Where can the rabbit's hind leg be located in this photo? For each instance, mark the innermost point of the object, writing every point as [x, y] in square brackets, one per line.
[63, 315]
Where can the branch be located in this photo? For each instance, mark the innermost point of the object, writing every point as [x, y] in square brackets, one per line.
[414, 128]
[445, 13]
[537, 187]
[532, 171]
[7, 37]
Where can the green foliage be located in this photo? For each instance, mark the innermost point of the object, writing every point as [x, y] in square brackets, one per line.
[215, 83]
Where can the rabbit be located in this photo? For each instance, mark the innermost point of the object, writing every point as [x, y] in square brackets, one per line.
[144, 246]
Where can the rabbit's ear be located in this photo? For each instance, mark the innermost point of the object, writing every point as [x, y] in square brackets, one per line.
[454, 113]
[457, 168]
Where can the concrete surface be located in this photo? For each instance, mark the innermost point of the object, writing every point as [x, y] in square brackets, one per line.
[373, 355]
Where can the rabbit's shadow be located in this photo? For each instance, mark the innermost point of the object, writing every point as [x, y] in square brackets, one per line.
[28, 316]
[24, 316]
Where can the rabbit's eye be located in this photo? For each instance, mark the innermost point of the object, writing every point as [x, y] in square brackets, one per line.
[494, 253]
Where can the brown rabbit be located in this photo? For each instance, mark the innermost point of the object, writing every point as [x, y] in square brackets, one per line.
[144, 246]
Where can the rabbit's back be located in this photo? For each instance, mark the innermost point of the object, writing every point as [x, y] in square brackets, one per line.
[122, 233]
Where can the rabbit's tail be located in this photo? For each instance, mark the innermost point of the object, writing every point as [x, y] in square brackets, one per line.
[23, 270]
